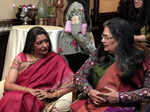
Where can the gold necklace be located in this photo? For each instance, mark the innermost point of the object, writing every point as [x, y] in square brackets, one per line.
[33, 58]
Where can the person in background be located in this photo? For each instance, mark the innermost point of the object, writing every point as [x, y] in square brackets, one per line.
[37, 78]
[76, 42]
[137, 12]
[124, 68]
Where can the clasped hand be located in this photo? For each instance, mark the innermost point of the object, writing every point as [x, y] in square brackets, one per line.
[99, 98]
[43, 94]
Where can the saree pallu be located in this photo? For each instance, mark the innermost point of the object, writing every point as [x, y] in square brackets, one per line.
[50, 72]
[111, 79]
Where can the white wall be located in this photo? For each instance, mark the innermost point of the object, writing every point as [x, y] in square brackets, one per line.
[6, 7]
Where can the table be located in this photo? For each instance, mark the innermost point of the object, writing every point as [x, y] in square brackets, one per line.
[17, 39]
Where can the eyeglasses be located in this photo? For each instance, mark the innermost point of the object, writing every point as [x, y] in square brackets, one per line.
[106, 37]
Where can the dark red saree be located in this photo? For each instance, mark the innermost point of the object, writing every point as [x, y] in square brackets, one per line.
[111, 79]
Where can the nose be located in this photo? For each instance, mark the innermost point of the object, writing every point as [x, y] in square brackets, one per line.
[102, 40]
[45, 44]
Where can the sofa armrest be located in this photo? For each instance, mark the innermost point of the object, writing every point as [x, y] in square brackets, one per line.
[1, 88]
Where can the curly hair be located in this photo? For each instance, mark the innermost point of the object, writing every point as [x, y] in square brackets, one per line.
[129, 58]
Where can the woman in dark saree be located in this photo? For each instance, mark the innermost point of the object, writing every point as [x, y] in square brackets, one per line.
[124, 68]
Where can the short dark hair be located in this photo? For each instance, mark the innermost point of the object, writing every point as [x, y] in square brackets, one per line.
[31, 37]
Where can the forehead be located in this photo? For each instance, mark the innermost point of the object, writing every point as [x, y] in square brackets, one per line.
[41, 37]
[106, 31]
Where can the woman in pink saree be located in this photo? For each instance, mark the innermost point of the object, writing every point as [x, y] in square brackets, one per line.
[37, 77]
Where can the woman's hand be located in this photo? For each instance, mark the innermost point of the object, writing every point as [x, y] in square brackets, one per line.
[43, 94]
[40, 94]
[95, 97]
[140, 38]
[34, 92]
[111, 96]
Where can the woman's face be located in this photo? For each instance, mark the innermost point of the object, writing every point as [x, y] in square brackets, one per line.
[138, 3]
[108, 41]
[41, 45]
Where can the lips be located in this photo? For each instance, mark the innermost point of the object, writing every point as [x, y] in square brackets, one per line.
[44, 50]
[105, 45]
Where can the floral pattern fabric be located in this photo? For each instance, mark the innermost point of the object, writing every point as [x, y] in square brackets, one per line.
[83, 85]
[142, 94]
[80, 77]
[70, 44]
[76, 13]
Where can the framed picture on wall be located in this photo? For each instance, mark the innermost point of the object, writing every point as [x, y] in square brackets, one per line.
[108, 6]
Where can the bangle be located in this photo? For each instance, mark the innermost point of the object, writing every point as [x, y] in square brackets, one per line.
[88, 94]
[27, 89]
[119, 98]
[58, 94]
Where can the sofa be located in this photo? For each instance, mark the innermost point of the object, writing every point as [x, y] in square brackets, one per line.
[1, 88]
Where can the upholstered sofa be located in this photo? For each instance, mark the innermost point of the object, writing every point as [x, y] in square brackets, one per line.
[1, 88]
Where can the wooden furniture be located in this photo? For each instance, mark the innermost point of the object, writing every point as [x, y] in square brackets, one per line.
[3, 44]
[5, 26]
[46, 21]
[99, 15]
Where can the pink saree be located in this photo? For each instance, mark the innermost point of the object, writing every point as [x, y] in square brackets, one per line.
[47, 73]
